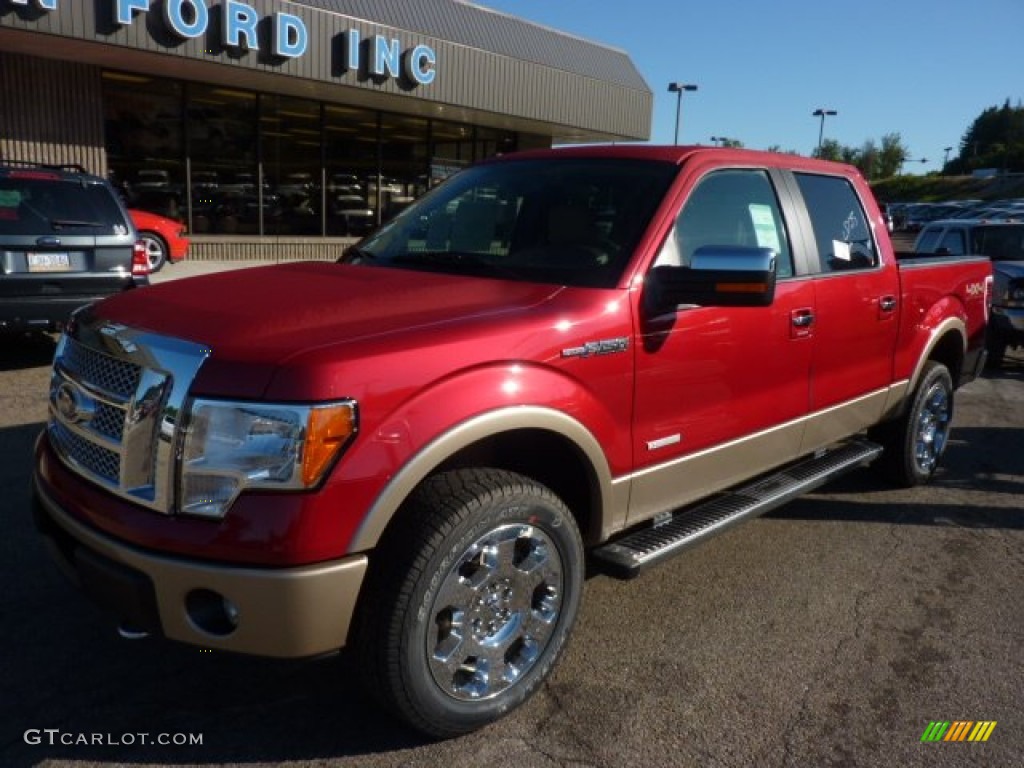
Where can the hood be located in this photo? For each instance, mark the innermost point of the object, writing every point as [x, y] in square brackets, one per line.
[1012, 269]
[254, 319]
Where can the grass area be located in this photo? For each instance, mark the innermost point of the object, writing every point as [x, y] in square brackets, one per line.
[936, 188]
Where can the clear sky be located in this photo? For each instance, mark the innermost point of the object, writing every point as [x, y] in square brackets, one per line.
[922, 68]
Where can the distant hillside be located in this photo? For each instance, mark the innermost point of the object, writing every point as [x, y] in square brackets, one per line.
[935, 188]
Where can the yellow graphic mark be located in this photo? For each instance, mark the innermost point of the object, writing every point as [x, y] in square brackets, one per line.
[982, 731]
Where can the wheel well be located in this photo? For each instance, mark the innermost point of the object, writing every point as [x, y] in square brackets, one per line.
[546, 457]
[950, 352]
[155, 235]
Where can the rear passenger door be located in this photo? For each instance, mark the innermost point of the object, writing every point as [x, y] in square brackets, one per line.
[856, 299]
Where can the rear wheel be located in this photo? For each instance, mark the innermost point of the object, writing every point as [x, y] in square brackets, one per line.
[156, 250]
[470, 600]
[915, 442]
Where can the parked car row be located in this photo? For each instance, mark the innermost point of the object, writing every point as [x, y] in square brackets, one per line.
[911, 217]
[1002, 240]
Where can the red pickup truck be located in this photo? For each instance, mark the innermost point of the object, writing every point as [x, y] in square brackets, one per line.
[617, 351]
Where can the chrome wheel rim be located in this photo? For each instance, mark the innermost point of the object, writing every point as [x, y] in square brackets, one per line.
[932, 429]
[154, 251]
[495, 613]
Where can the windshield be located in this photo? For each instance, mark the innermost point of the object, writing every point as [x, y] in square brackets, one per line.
[999, 243]
[570, 221]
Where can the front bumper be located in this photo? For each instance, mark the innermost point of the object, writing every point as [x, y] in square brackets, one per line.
[279, 612]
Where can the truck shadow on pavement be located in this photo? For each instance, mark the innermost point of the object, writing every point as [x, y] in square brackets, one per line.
[978, 460]
[28, 350]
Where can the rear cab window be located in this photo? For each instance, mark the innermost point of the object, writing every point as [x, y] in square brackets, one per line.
[841, 229]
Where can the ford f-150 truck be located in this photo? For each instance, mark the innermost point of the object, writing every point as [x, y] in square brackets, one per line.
[603, 351]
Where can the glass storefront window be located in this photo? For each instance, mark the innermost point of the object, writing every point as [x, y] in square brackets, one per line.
[403, 166]
[350, 144]
[451, 150]
[490, 142]
[145, 144]
[229, 161]
[222, 153]
[290, 134]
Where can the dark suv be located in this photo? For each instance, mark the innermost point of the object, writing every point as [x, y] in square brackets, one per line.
[65, 240]
[1003, 242]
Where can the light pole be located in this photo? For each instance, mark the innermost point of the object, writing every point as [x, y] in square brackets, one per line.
[945, 160]
[677, 89]
[822, 113]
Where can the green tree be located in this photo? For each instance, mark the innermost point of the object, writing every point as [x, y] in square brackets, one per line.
[891, 156]
[994, 140]
[830, 149]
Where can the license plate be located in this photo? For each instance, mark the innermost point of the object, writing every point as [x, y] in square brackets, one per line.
[48, 262]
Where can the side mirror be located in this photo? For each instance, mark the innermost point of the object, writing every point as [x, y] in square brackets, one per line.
[718, 276]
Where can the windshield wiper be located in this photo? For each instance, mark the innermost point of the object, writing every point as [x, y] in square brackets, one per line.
[455, 260]
[58, 223]
[354, 255]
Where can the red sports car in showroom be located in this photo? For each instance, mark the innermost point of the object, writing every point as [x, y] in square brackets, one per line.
[165, 239]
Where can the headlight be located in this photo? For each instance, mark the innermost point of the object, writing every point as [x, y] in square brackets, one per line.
[232, 446]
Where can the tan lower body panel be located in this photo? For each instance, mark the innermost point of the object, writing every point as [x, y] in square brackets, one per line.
[697, 476]
[282, 612]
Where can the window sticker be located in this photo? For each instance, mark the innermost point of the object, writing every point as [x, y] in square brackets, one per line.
[764, 227]
[841, 250]
[9, 198]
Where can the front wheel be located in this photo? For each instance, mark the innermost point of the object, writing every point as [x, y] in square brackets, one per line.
[470, 600]
[915, 442]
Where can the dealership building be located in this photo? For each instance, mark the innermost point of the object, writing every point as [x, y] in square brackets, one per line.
[289, 127]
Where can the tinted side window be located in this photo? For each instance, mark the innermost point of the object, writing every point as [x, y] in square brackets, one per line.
[732, 208]
[841, 227]
[928, 240]
[953, 243]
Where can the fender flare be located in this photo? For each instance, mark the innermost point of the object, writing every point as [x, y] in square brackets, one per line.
[613, 495]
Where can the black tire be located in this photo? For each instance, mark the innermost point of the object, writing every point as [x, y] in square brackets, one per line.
[915, 442]
[469, 601]
[156, 250]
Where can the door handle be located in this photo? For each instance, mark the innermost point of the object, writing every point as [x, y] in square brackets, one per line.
[887, 303]
[801, 321]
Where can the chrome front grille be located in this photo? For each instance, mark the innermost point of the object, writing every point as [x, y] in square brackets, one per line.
[115, 398]
[97, 460]
[103, 372]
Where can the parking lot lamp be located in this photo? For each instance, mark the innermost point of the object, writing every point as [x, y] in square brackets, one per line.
[677, 89]
[822, 113]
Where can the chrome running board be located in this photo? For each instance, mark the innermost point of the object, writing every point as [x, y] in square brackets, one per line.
[627, 556]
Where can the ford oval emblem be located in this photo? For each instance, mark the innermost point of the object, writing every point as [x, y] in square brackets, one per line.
[72, 404]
